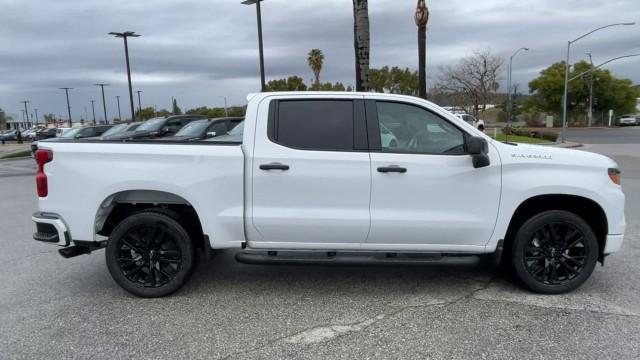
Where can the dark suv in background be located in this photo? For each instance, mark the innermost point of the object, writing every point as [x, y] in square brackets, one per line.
[205, 129]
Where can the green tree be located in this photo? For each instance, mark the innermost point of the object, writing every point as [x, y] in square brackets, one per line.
[394, 80]
[292, 83]
[175, 108]
[315, 60]
[609, 92]
[145, 113]
[218, 112]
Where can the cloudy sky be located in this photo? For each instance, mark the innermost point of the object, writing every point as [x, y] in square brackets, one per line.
[201, 50]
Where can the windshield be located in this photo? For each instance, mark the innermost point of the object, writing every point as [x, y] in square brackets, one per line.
[70, 133]
[116, 130]
[238, 130]
[193, 129]
[152, 124]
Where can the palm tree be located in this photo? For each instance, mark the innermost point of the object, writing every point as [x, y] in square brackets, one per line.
[315, 61]
[361, 43]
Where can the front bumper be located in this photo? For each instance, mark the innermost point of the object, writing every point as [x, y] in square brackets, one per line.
[50, 228]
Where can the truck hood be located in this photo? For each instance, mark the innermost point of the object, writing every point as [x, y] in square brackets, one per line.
[527, 153]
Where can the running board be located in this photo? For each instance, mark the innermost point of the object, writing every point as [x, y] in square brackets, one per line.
[353, 259]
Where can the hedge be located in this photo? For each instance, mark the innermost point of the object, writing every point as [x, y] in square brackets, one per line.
[546, 135]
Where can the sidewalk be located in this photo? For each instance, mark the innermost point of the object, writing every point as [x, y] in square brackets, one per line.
[13, 147]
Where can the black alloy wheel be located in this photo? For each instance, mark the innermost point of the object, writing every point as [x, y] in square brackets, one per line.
[150, 254]
[555, 252]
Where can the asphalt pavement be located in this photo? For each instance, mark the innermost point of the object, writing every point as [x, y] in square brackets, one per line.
[56, 308]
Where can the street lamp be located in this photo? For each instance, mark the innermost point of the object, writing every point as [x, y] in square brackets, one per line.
[66, 90]
[36, 111]
[509, 78]
[566, 73]
[139, 102]
[125, 35]
[259, 16]
[421, 18]
[119, 114]
[104, 103]
[93, 110]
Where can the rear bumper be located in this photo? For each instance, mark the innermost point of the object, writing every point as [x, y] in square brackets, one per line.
[50, 228]
[613, 244]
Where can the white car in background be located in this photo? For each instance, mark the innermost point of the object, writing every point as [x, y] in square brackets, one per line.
[629, 120]
[478, 124]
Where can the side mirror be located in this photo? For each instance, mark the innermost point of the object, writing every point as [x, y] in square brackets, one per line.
[478, 148]
[78, 136]
[211, 134]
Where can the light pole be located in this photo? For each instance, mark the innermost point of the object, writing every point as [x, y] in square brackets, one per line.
[125, 35]
[226, 110]
[36, 111]
[93, 110]
[119, 114]
[259, 16]
[509, 78]
[421, 18]
[590, 113]
[66, 90]
[26, 111]
[104, 103]
[566, 74]
[139, 102]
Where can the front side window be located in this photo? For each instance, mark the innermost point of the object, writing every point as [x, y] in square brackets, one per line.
[315, 124]
[406, 128]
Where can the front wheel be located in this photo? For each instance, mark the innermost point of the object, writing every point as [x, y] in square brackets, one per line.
[150, 254]
[554, 252]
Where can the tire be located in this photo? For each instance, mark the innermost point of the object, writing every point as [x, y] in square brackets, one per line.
[554, 252]
[150, 254]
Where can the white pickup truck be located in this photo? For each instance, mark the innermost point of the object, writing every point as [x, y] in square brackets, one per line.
[312, 180]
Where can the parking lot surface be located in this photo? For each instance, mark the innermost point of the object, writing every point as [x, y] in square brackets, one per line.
[56, 308]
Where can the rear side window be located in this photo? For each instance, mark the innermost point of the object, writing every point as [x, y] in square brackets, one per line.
[314, 124]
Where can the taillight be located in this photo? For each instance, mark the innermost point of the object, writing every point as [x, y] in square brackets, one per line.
[614, 175]
[42, 157]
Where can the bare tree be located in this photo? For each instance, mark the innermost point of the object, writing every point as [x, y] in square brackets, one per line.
[361, 43]
[473, 81]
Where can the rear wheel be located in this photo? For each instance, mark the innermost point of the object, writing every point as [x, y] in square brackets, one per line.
[150, 254]
[554, 252]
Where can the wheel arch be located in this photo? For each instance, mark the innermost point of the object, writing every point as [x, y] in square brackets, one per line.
[586, 208]
[115, 207]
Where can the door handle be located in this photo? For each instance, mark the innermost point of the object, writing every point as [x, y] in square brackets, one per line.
[274, 166]
[392, 168]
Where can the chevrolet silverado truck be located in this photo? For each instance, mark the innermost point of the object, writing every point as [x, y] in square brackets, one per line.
[312, 180]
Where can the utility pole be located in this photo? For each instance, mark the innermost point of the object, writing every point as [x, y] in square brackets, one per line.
[26, 112]
[66, 90]
[119, 114]
[104, 103]
[93, 109]
[125, 35]
[139, 102]
[36, 111]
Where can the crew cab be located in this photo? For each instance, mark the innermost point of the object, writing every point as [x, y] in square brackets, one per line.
[313, 180]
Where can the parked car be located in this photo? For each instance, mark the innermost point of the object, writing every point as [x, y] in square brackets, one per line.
[311, 182]
[73, 134]
[233, 136]
[629, 120]
[62, 130]
[204, 129]
[158, 127]
[119, 129]
[471, 120]
[29, 134]
[10, 135]
[46, 133]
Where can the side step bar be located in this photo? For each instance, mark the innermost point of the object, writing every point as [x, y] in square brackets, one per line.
[353, 259]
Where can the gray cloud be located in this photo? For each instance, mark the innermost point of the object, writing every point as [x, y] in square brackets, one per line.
[199, 50]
